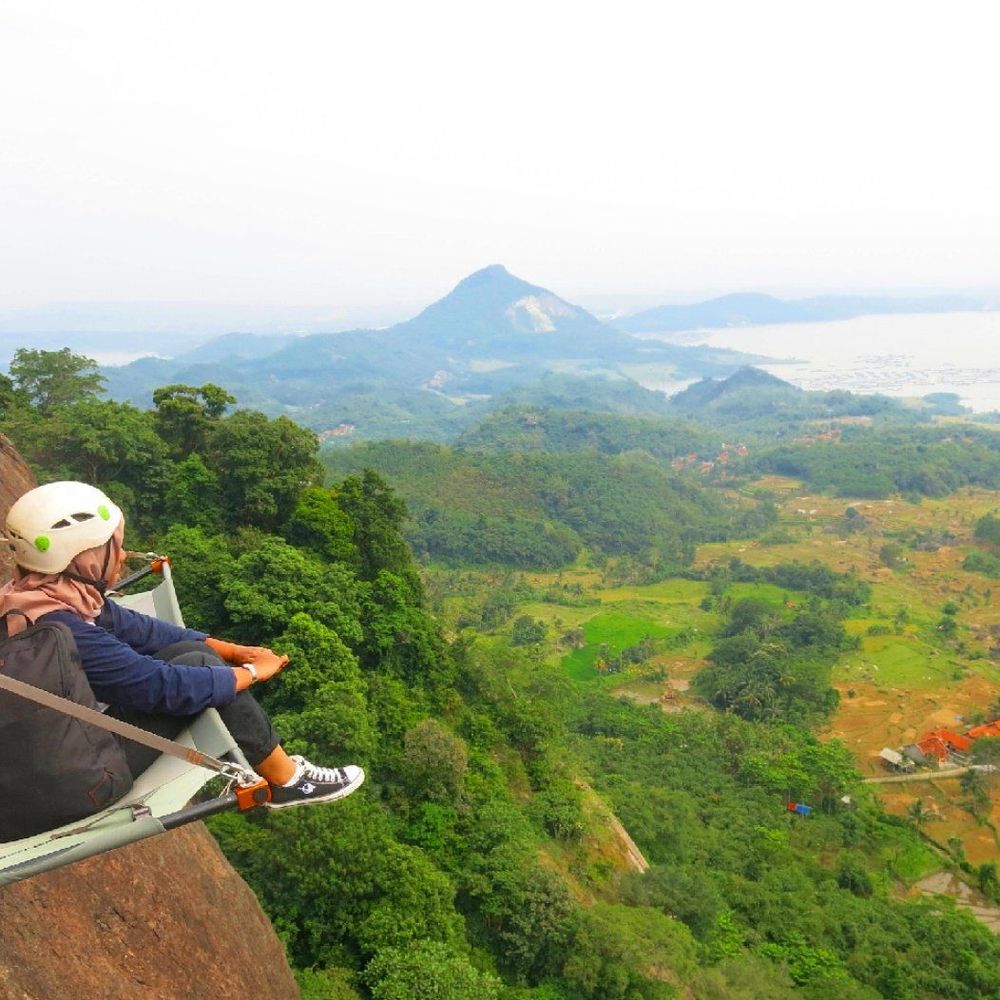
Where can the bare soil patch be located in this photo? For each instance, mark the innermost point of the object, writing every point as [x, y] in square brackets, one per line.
[877, 717]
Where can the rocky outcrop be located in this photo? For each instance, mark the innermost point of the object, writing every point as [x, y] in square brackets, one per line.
[165, 918]
[15, 479]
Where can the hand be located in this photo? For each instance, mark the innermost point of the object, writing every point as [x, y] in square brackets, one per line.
[266, 662]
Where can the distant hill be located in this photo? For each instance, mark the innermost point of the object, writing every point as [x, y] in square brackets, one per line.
[236, 345]
[542, 429]
[751, 398]
[710, 391]
[603, 393]
[751, 309]
[493, 339]
[492, 311]
[538, 510]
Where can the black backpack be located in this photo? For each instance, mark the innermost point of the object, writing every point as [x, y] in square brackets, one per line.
[53, 769]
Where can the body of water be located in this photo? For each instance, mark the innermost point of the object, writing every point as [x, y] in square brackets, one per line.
[895, 355]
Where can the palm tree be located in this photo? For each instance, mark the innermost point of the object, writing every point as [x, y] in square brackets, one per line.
[919, 813]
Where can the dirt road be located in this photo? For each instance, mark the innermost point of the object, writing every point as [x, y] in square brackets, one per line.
[897, 779]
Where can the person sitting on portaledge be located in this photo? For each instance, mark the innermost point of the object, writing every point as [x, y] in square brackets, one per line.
[67, 542]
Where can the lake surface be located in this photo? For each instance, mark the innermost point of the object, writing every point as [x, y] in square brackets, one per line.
[895, 355]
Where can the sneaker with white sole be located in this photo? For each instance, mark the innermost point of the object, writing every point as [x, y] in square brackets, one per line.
[316, 784]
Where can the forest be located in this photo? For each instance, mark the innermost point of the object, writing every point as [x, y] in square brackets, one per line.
[482, 858]
[537, 508]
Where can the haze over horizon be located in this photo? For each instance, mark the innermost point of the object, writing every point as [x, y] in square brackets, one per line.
[96, 326]
[360, 162]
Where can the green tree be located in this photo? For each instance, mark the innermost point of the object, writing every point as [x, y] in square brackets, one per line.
[526, 910]
[976, 785]
[527, 631]
[988, 880]
[185, 414]
[626, 952]
[319, 703]
[9, 397]
[918, 812]
[273, 582]
[319, 656]
[892, 555]
[558, 806]
[948, 626]
[986, 750]
[99, 441]
[110, 445]
[262, 466]
[436, 761]
[988, 530]
[751, 614]
[747, 977]
[377, 515]
[687, 893]
[327, 984]
[498, 608]
[428, 970]
[319, 524]
[341, 891]
[400, 636]
[193, 496]
[203, 568]
[55, 378]
[853, 876]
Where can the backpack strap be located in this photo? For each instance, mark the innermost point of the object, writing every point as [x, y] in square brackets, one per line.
[7, 614]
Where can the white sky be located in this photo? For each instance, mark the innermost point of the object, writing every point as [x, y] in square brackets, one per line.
[353, 154]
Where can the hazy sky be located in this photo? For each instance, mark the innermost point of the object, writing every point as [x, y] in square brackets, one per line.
[318, 153]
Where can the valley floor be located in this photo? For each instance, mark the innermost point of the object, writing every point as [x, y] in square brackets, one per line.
[905, 679]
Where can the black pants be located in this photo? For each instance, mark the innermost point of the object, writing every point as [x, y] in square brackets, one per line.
[244, 718]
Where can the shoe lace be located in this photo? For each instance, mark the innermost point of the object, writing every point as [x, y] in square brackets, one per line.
[330, 775]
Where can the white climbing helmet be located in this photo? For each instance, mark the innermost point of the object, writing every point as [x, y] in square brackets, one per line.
[51, 525]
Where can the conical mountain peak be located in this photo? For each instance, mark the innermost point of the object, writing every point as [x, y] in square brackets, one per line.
[495, 311]
[491, 272]
[492, 280]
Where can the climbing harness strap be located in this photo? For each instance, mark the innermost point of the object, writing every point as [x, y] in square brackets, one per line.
[161, 744]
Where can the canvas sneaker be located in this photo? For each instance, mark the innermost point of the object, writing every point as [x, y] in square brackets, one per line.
[316, 784]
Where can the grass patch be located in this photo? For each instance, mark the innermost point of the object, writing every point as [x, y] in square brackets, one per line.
[559, 617]
[615, 629]
[667, 591]
[906, 662]
[767, 592]
[910, 860]
[902, 661]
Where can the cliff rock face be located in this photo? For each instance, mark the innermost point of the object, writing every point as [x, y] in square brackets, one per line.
[165, 918]
[15, 479]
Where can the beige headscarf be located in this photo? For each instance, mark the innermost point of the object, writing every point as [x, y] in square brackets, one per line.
[37, 594]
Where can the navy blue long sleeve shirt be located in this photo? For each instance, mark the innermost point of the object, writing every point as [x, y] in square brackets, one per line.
[115, 652]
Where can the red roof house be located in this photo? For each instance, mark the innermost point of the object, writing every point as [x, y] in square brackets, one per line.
[987, 729]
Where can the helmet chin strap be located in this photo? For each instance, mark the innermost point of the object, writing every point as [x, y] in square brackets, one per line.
[100, 585]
